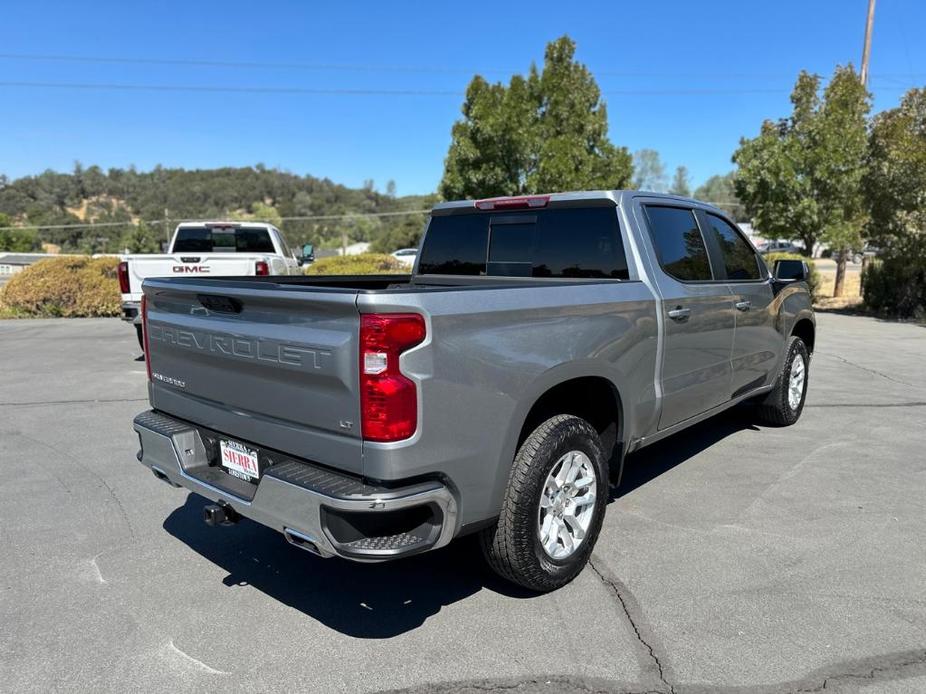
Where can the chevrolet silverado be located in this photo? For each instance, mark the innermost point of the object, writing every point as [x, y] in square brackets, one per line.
[497, 389]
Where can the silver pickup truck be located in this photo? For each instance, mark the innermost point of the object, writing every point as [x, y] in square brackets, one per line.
[497, 389]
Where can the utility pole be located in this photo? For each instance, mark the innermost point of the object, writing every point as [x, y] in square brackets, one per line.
[166, 229]
[866, 49]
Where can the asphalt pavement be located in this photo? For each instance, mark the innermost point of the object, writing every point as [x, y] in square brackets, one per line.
[734, 557]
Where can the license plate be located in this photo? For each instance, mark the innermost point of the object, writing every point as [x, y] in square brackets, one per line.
[239, 460]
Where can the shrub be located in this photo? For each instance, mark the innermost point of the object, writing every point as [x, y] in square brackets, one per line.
[813, 281]
[896, 286]
[363, 264]
[70, 287]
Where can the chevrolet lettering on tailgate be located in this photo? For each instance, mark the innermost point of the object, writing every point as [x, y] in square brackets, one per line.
[241, 347]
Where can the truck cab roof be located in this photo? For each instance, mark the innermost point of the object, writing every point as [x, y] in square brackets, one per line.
[565, 199]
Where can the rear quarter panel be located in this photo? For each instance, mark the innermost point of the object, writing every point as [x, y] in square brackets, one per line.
[490, 354]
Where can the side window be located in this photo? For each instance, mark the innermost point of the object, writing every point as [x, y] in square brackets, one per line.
[739, 259]
[678, 243]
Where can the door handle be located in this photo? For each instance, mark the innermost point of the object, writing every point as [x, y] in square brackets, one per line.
[743, 305]
[680, 314]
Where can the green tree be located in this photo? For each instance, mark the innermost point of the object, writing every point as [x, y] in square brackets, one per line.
[16, 240]
[544, 132]
[801, 176]
[140, 238]
[720, 191]
[260, 212]
[895, 183]
[403, 234]
[680, 184]
[649, 173]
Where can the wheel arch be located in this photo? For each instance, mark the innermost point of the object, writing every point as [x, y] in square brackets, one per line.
[805, 329]
[556, 392]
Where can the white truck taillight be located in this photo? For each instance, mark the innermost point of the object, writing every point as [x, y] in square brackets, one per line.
[388, 400]
[144, 333]
[261, 268]
[124, 277]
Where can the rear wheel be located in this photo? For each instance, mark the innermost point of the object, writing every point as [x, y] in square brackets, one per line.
[553, 508]
[785, 402]
[141, 337]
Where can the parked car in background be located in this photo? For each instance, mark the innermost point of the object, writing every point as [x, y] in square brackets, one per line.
[868, 251]
[207, 249]
[779, 247]
[495, 391]
[406, 255]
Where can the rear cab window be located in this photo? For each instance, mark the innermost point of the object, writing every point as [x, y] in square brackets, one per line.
[223, 240]
[568, 242]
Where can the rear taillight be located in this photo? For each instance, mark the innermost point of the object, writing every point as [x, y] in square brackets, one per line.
[124, 277]
[388, 400]
[261, 268]
[144, 333]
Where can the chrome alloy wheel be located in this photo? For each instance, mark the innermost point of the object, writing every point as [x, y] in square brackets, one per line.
[796, 382]
[567, 505]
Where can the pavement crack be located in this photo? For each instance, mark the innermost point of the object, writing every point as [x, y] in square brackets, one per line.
[869, 370]
[893, 666]
[112, 492]
[552, 683]
[194, 661]
[616, 588]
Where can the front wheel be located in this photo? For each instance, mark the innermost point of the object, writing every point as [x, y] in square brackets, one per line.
[554, 506]
[785, 402]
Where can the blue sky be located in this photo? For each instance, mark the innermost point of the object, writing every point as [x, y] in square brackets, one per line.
[718, 69]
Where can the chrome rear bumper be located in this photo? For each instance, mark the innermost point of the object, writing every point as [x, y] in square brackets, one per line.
[316, 509]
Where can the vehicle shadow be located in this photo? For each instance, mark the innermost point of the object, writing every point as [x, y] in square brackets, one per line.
[376, 601]
[372, 601]
[649, 463]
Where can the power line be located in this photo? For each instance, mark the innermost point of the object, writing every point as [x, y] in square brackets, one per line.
[303, 218]
[194, 62]
[339, 91]
[217, 89]
[357, 67]
[229, 89]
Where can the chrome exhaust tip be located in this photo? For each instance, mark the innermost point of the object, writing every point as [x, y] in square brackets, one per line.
[301, 541]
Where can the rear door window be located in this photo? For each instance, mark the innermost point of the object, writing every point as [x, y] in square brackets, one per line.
[557, 243]
[739, 259]
[678, 242]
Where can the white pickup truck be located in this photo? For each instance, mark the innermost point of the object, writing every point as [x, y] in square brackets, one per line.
[208, 249]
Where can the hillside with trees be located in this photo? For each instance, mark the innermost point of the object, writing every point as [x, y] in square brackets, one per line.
[128, 208]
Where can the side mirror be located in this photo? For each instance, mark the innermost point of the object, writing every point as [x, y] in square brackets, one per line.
[308, 254]
[791, 271]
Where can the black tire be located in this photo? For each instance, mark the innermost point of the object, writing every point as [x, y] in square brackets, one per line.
[776, 408]
[512, 545]
[141, 338]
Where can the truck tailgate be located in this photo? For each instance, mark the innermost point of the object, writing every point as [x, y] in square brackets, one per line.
[261, 364]
[142, 267]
